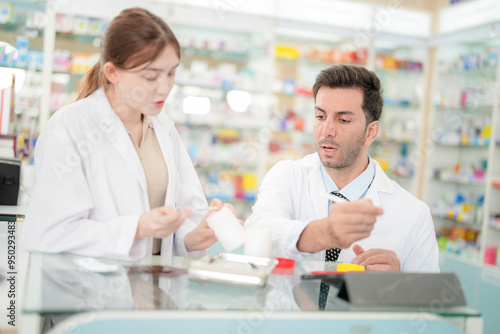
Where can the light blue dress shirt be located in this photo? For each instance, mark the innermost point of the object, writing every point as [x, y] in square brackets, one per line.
[356, 189]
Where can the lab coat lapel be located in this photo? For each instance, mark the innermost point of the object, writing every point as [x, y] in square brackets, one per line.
[381, 183]
[317, 186]
[112, 127]
[159, 124]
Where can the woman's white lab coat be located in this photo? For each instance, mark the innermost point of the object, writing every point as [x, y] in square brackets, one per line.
[91, 187]
[289, 199]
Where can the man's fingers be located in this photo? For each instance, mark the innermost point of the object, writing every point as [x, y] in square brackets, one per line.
[380, 267]
[358, 219]
[348, 239]
[360, 206]
[378, 257]
[358, 249]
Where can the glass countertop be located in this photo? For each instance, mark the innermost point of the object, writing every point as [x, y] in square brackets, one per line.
[56, 284]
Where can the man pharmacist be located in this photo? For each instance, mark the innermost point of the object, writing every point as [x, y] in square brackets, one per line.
[382, 227]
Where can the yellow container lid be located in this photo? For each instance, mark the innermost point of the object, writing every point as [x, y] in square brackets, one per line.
[350, 267]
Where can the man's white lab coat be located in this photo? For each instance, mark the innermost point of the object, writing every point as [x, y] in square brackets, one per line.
[91, 188]
[289, 199]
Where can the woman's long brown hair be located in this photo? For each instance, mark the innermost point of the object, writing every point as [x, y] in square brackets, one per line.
[133, 38]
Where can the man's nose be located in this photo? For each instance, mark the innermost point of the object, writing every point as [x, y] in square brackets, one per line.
[329, 129]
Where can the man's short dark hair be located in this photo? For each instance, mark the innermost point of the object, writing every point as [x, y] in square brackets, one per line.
[352, 76]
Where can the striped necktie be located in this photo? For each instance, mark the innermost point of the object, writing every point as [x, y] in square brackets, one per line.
[332, 255]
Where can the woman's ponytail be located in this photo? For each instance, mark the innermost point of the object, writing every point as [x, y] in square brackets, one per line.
[91, 81]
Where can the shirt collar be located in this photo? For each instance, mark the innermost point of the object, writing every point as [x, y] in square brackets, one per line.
[357, 188]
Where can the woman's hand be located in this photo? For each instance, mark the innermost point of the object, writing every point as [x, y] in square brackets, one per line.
[160, 222]
[203, 236]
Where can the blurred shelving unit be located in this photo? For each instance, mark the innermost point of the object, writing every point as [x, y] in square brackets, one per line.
[21, 47]
[220, 104]
[297, 63]
[401, 72]
[464, 156]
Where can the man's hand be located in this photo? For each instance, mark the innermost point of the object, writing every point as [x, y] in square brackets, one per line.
[376, 259]
[346, 224]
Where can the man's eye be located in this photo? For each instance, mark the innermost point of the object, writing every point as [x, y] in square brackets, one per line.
[151, 78]
[342, 120]
[319, 116]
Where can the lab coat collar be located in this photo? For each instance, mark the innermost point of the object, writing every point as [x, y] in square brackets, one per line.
[381, 183]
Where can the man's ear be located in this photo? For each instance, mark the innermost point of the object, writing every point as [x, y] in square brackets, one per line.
[110, 72]
[371, 132]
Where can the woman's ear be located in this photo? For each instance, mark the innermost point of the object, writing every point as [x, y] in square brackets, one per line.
[110, 72]
[371, 132]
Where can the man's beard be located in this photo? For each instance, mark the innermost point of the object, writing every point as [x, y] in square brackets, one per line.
[346, 155]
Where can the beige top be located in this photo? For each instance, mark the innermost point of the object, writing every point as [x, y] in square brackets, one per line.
[155, 169]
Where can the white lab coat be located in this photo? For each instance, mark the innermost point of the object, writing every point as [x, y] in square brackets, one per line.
[289, 199]
[91, 188]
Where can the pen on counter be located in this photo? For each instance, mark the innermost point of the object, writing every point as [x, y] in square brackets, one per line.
[332, 198]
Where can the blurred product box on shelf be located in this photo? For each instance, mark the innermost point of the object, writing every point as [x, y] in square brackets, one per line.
[228, 186]
[6, 12]
[80, 25]
[490, 255]
[472, 60]
[392, 63]
[325, 55]
[463, 173]
[460, 208]
[459, 241]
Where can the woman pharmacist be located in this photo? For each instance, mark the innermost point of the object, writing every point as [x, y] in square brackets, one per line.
[113, 177]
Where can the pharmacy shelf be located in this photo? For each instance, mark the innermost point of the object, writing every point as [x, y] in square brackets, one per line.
[495, 228]
[474, 71]
[460, 146]
[217, 88]
[459, 183]
[217, 55]
[471, 110]
[409, 107]
[466, 223]
[384, 141]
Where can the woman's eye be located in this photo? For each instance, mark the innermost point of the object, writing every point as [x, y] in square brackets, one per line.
[151, 78]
